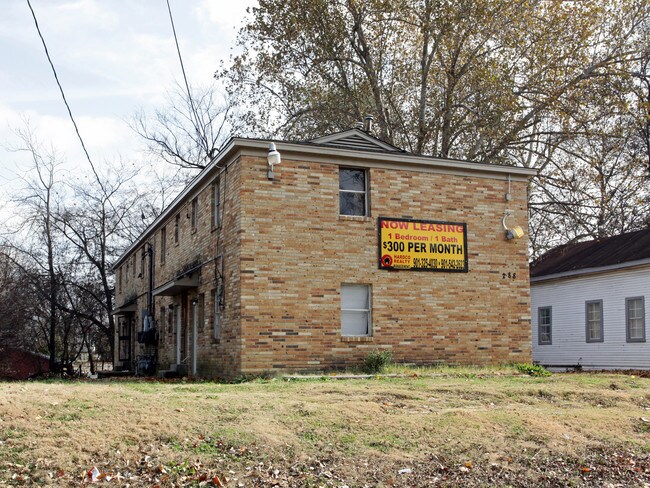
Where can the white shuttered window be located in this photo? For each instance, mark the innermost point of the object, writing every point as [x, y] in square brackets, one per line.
[635, 315]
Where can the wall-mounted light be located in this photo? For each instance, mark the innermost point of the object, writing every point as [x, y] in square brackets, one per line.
[514, 232]
[273, 158]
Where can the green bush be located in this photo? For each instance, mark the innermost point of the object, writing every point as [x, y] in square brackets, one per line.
[376, 361]
[532, 369]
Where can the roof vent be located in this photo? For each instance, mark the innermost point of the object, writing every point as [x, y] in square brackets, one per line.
[368, 127]
[359, 125]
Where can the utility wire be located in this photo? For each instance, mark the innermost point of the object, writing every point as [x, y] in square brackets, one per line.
[187, 85]
[56, 77]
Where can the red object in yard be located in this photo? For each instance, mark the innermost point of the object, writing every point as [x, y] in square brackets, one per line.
[19, 364]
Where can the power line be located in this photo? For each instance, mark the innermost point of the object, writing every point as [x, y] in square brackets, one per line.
[56, 77]
[187, 85]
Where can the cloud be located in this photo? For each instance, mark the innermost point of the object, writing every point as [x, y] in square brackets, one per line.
[107, 139]
[226, 16]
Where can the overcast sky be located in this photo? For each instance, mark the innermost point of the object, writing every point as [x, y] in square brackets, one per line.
[113, 58]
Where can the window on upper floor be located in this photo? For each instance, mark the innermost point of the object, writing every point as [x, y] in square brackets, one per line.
[355, 310]
[635, 319]
[594, 321]
[177, 228]
[544, 325]
[353, 192]
[216, 203]
[163, 244]
[194, 216]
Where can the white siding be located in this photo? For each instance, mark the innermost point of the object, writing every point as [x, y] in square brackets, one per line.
[567, 297]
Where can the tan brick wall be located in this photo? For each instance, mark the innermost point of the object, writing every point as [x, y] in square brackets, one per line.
[297, 251]
[287, 252]
[198, 248]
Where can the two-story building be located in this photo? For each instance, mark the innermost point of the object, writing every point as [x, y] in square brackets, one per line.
[346, 246]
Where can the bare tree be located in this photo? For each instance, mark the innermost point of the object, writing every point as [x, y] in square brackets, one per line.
[187, 133]
[96, 224]
[40, 245]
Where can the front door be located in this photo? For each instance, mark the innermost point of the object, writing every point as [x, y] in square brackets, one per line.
[178, 324]
[125, 344]
[193, 336]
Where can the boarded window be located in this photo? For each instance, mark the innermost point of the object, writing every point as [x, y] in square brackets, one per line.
[355, 310]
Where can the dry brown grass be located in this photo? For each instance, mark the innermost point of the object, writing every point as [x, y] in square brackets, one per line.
[456, 430]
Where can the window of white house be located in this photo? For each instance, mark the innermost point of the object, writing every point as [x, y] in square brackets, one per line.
[594, 320]
[194, 217]
[544, 323]
[635, 319]
[353, 191]
[355, 310]
[216, 204]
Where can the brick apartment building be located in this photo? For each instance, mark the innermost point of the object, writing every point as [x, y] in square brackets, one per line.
[348, 245]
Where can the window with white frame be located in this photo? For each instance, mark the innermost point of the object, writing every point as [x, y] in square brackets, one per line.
[594, 320]
[355, 310]
[353, 191]
[544, 325]
[635, 319]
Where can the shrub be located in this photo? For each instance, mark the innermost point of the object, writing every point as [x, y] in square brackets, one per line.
[532, 369]
[376, 361]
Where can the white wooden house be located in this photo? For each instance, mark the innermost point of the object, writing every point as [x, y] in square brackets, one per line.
[589, 303]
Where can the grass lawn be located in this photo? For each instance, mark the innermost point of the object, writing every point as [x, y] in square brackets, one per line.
[455, 427]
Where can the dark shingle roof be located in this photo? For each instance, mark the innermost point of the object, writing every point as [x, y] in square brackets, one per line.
[607, 251]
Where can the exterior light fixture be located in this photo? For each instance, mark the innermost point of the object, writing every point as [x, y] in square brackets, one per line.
[513, 233]
[273, 158]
